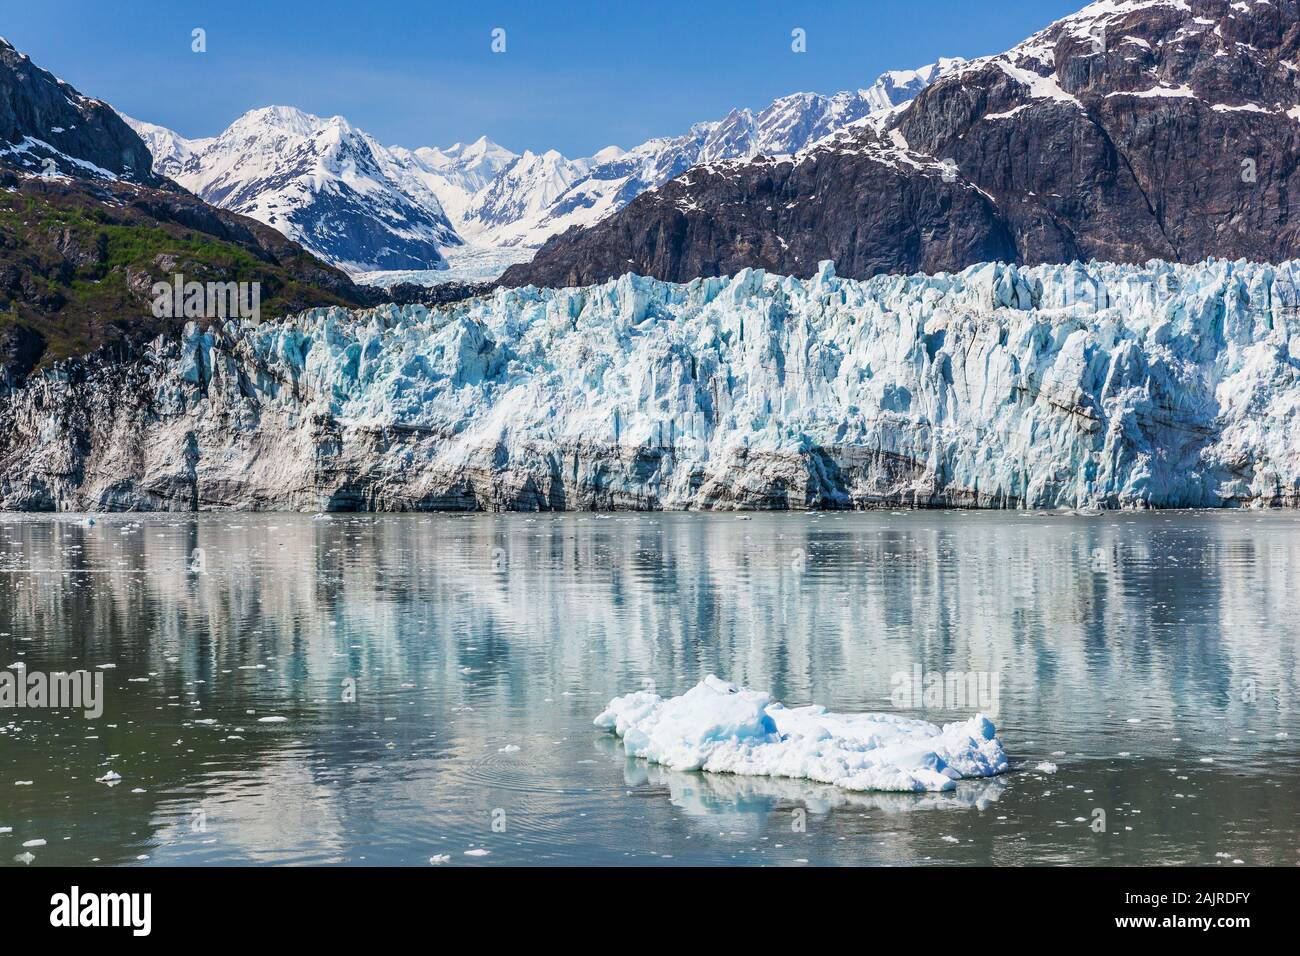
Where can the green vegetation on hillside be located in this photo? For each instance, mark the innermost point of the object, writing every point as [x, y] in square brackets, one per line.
[77, 266]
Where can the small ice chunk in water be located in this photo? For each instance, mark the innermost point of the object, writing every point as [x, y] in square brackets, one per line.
[723, 728]
[438, 858]
[110, 778]
[508, 749]
[272, 720]
[478, 852]
[1046, 766]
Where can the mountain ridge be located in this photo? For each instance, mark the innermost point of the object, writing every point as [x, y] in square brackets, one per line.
[86, 229]
[80, 136]
[481, 193]
[1127, 131]
[319, 181]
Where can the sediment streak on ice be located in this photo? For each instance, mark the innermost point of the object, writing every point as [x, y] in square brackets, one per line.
[723, 728]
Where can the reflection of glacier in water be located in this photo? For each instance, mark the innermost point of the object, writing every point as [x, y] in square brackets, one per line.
[1152, 657]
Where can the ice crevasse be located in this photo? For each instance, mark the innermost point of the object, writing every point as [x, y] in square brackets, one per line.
[723, 728]
[1001, 386]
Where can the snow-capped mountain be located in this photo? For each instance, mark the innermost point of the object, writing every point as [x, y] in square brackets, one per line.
[454, 174]
[524, 193]
[1127, 131]
[509, 214]
[368, 207]
[319, 181]
[172, 153]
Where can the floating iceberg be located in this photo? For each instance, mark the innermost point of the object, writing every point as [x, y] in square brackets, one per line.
[722, 728]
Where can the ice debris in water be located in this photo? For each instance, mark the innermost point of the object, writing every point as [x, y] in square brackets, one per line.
[723, 728]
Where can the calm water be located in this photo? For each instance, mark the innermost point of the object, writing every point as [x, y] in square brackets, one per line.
[1152, 658]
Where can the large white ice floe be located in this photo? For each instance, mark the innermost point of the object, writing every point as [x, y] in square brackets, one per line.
[723, 728]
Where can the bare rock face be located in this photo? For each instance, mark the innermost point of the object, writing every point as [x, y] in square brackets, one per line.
[1003, 386]
[42, 118]
[1160, 129]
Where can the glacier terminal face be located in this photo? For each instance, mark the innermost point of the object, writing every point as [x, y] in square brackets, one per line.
[1054, 386]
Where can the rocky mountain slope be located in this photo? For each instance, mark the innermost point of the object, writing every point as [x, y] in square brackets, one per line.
[78, 261]
[1134, 129]
[368, 207]
[1004, 386]
[86, 229]
[47, 127]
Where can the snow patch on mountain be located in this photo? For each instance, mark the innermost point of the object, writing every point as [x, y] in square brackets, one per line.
[39, 156]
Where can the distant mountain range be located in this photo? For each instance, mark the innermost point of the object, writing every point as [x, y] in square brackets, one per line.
[320, 182]
[86, 229]
[1129, 131]
[367, 207]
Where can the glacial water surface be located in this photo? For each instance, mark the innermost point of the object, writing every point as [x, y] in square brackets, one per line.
[432, 681]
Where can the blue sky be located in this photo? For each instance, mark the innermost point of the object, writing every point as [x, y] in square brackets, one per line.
[575, 76]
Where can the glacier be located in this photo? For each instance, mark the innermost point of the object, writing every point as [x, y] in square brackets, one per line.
[1060, 386]
[720, 727]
